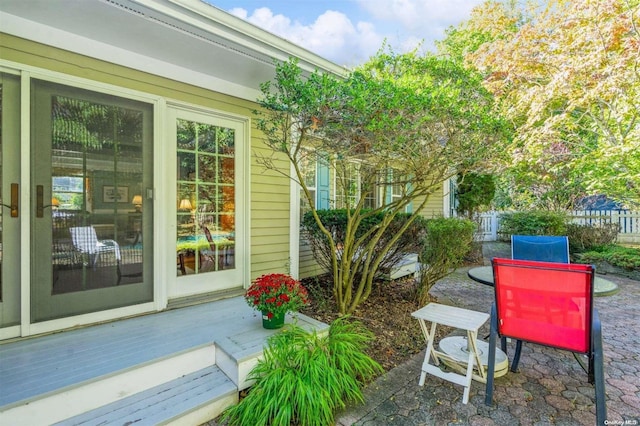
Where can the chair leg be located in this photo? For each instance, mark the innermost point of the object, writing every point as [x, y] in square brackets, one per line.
[516, 356]
[183, 269]
[491, 366]
[598, 369]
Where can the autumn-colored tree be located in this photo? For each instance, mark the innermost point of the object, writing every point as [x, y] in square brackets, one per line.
[401, 121]
[569, 79]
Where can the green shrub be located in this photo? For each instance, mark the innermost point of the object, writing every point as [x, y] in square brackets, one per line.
[536, 222]
[474, 191]
[586, 237]
[336, 220]
[447, 242]
[304, 378]
[623, 257]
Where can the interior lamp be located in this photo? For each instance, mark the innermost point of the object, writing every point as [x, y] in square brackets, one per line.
[185, 204]
[137, 203]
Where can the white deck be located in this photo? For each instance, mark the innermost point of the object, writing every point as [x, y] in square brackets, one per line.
[47, 365]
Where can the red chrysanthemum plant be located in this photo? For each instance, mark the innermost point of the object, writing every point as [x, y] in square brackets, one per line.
[275, 294]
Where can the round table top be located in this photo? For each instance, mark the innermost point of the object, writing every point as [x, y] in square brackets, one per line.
[601, 286]
[457, 348]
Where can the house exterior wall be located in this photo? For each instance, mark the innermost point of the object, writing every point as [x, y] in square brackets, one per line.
[269, 191]
[434, 206]
[308, 265]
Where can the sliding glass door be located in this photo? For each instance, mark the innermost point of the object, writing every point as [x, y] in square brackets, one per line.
[91, 202]
[10, 211]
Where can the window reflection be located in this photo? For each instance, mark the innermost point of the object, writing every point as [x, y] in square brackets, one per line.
[96, 165]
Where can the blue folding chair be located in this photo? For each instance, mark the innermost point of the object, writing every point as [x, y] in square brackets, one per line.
[540, 248]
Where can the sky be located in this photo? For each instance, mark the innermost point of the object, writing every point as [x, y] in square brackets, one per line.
[348, 32]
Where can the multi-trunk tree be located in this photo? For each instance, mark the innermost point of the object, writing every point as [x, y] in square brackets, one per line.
[402, 121]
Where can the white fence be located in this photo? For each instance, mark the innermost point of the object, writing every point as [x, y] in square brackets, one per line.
[628, 220]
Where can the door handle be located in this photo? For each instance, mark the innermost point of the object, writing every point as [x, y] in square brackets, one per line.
[40, 201]
[15, 211]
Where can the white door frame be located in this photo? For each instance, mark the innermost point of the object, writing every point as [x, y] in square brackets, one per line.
[212, 281]
[26, 328]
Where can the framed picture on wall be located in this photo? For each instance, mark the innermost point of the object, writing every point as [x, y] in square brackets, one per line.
[111, 194]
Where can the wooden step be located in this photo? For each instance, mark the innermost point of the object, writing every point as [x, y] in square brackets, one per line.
[236, 355]
[88, 395]
[191, 399]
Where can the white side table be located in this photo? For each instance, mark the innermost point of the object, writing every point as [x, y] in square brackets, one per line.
[463, 319]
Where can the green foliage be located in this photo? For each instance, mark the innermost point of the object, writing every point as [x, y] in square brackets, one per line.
[447, 242]
[616, 255]
[575, 115]
[550, 183]
[304, 377]
[408, 121]
[587, 237]
[535, 222]
[474, 191]
[336, 222]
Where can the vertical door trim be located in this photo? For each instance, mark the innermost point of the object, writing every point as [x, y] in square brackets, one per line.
[160, 223]
[25, 203]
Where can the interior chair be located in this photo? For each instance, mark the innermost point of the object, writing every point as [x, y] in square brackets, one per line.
[219, 259]
[181, 264]
[541, 248]
[550, 304]
[85, 240]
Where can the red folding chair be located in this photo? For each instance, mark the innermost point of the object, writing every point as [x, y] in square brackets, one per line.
[549, 304]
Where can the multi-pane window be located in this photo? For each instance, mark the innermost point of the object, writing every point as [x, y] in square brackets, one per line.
[370, 188]
[205, 201]
[347, 187]
[309, 174]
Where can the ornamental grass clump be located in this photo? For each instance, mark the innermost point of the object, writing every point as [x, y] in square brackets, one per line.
[276, 294]
[304, 377]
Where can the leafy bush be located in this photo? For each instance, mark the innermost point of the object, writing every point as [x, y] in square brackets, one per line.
[623, 257]
[536, 222]
[447, 242]
[304, 378]
[335, 221]
[586, 237]
[473, 192]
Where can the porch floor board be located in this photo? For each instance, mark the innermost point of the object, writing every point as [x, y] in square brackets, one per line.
[32, 367]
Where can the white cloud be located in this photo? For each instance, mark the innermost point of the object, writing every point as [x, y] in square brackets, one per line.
[331, 35]
[405, 24]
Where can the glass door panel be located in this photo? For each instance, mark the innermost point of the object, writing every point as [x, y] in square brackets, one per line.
[206, 213]
[91, 230]
[9, 194]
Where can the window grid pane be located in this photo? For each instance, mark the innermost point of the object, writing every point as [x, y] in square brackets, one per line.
[205, 198]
